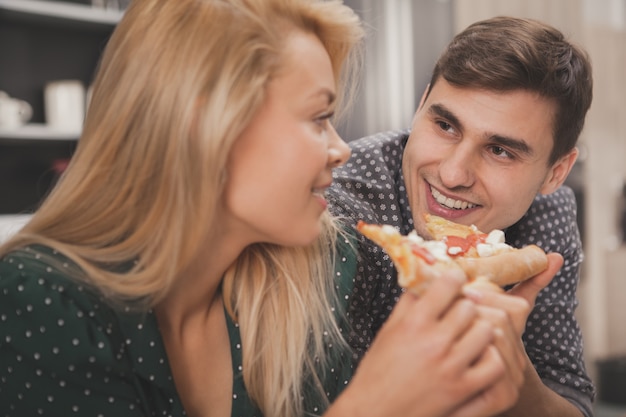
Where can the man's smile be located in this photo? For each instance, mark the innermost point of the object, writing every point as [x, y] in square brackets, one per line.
[449, 202]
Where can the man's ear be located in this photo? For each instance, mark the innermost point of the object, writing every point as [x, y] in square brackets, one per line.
[558, 172]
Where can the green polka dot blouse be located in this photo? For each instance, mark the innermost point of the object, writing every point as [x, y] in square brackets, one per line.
[65, 352]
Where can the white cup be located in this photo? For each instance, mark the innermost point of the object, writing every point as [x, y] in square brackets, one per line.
[13, 112]
[64, 104]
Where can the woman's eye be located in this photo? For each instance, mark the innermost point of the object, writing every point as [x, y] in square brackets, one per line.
[322, 120]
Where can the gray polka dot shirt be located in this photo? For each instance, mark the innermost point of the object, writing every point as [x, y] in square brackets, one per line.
[370, 187]
[64, 351]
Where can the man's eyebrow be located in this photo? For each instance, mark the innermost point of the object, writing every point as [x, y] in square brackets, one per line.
[441, 111]
[518, 145]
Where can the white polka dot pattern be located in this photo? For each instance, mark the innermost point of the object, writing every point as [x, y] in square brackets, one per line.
[370, 187]
[65, 351]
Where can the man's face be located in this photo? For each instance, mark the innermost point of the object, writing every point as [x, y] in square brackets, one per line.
[480, 157]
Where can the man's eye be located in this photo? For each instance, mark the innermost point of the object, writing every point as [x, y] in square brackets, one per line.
[501, 152]
[445, 126]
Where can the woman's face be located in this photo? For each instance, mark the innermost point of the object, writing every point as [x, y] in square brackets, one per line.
[281, 165]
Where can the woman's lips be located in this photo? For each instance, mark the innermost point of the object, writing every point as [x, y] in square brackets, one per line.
[318, 193]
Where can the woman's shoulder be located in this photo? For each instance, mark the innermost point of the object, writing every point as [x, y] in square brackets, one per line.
[60, 340]
[41, 305]
[39, 273]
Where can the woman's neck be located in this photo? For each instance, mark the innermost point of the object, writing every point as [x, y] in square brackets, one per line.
[198, 286]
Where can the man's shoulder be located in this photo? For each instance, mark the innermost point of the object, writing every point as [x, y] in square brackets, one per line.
[550, 222]
[367, 186]
[380, 140]
[386, 146]
[559, 206]
[375, 160]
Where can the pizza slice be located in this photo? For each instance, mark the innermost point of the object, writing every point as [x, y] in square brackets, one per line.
[484, 258]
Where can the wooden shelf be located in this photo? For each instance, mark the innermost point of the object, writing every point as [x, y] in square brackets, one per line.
[38, 131]
[60, 12]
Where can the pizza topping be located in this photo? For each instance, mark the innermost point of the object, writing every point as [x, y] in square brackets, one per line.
[495, 237]
[478, 243]
[477, 238]
[438, 249]
[423, 253]
[457, 245]
[494, 244]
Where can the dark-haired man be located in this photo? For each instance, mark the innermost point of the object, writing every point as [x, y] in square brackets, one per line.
[491, 144]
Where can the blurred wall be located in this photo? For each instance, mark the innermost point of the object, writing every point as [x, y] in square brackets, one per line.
[404, 39]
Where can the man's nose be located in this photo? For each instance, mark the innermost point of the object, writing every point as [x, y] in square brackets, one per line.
[458, 168]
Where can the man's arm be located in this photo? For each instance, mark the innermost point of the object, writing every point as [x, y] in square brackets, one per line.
[537, 400]
[557, 384]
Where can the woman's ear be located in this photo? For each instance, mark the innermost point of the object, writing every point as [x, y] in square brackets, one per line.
[558, 172]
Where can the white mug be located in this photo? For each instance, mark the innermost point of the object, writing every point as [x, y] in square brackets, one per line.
[64, 104]
[13, 112]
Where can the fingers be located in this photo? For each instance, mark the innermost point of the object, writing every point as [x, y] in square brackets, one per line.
[471, 344]
[436, 299]
[494, 400]
[440, 352]
[515, 308]
[519, 301]
[507, 340]
[529, 289]
[499, 394]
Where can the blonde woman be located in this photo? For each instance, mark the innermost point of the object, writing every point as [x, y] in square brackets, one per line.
[186, 265]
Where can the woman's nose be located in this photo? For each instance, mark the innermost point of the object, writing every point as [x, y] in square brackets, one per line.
[338, 150]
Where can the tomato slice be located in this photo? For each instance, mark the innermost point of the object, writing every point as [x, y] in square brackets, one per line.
[459, 242]
[423, 253]
[477, 238]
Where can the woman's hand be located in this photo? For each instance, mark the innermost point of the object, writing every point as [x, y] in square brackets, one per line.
[508, 313]
[433, 356]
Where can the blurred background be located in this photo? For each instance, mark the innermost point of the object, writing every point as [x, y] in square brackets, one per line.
[46, 40]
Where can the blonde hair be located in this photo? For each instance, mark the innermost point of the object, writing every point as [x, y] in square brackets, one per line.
[178, 82]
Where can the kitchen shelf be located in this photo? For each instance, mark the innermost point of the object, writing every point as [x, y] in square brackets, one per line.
[38, 131]
[42, 41]
[60, 12]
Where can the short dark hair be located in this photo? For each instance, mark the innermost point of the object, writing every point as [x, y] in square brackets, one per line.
[507, 53]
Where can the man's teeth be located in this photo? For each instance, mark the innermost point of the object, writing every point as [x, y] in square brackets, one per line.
[450, 203]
